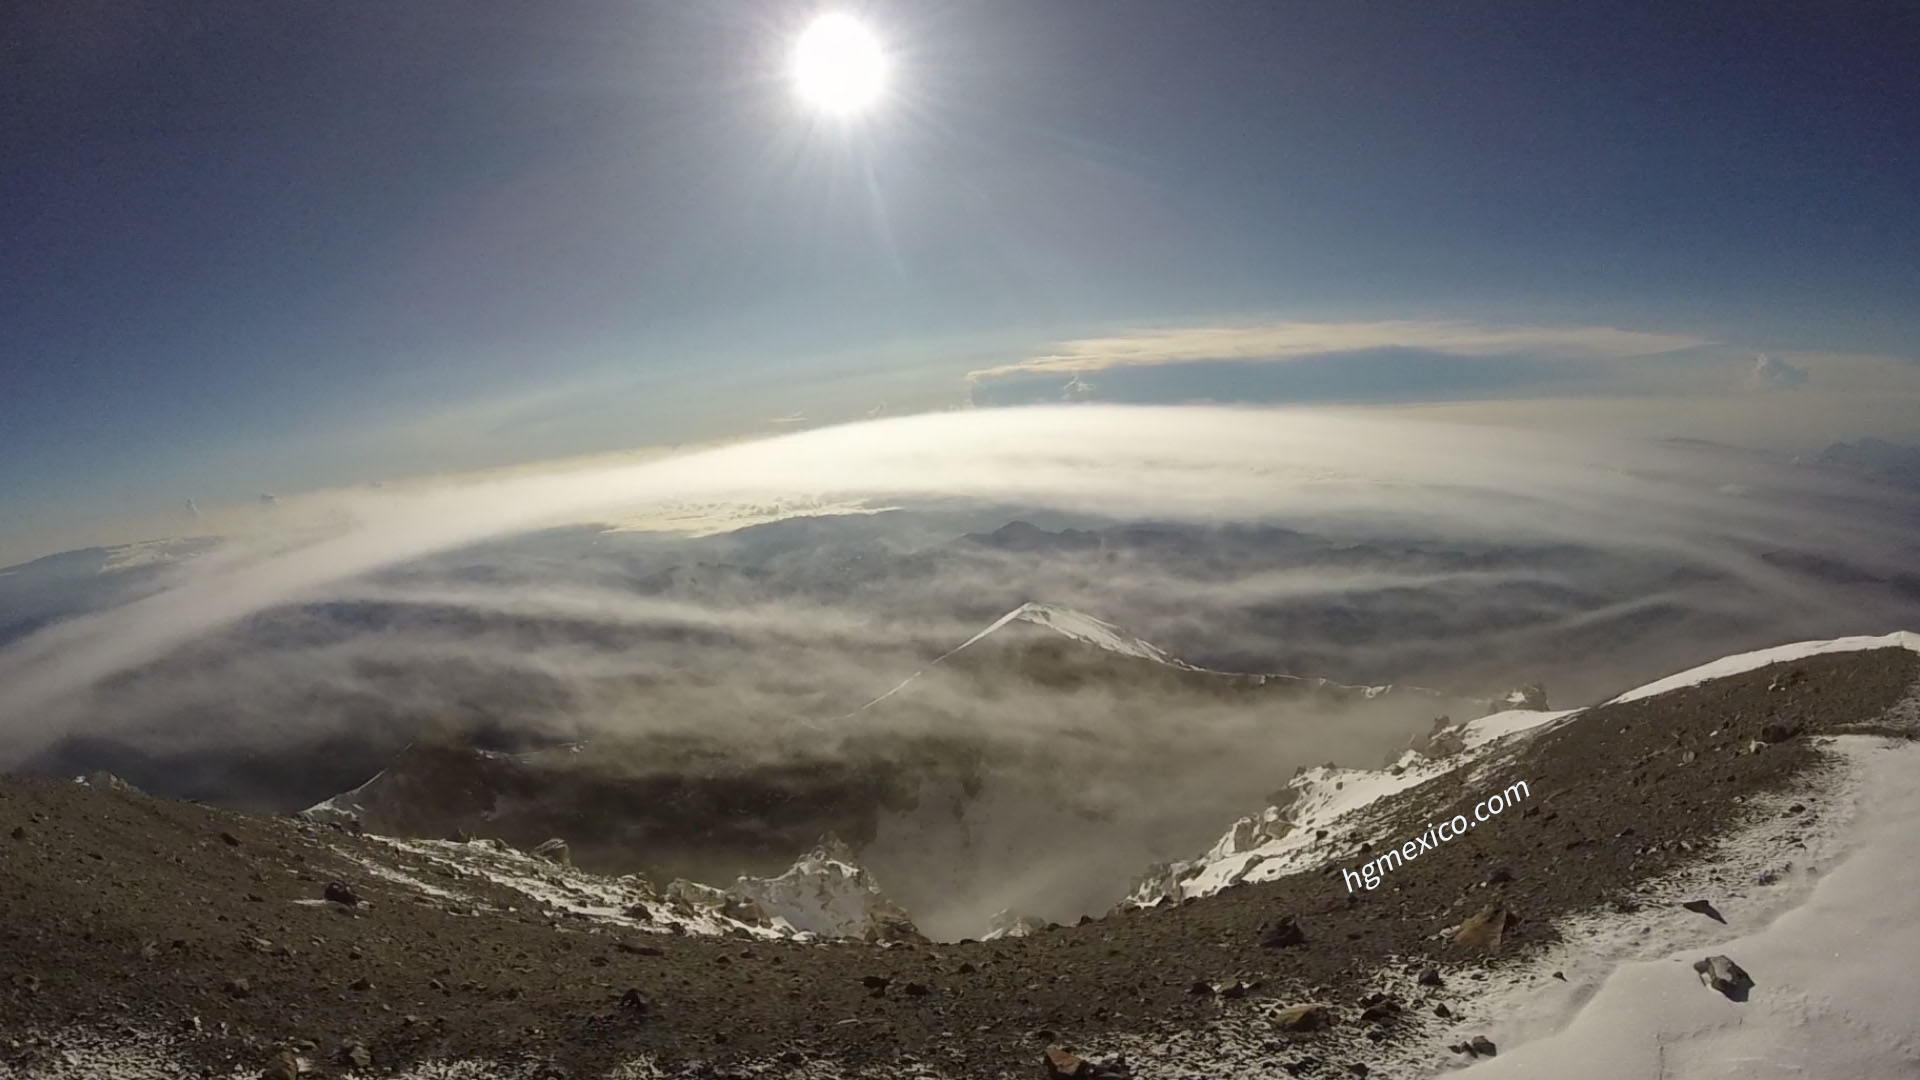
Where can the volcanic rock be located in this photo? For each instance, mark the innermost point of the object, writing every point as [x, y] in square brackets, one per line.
[1485, 928]
[1058, 1064]
[1721, 973]
[1284, 934]
[1309, 1017]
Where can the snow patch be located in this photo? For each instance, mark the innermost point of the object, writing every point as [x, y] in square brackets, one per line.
[1835, 974]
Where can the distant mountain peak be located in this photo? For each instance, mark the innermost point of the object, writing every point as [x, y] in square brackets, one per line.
[1078, 626]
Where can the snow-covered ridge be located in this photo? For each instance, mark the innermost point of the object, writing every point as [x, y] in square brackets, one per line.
[825, 894]
[344, 808]
[1324, 804]
[1749, 661]
[1323, 807]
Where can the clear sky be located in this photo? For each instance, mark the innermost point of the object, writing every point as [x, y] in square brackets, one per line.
[260, 246]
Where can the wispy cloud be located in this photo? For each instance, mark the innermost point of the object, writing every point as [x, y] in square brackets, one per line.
[1282, 341]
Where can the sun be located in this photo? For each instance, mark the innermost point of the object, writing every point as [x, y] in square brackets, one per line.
[839, 66]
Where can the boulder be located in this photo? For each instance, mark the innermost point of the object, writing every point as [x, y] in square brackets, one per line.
[1721, 973]
[1283, 935]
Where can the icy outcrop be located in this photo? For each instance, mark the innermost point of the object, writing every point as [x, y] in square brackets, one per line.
[1005, 924]
[1528, 696]
[826, 892]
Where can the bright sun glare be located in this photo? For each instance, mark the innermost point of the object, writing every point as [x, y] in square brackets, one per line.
[838, 65]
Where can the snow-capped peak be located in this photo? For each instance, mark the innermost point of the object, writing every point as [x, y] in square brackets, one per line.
[1080, 627]
[1064, 621]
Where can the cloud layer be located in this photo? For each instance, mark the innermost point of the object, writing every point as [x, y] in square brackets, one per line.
[1375, 474]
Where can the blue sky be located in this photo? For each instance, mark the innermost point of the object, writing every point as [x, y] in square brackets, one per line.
[266, 246]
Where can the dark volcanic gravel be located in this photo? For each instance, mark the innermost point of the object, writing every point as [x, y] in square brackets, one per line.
[122, 911]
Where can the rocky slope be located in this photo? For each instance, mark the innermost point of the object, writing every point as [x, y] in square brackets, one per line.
[166, 937]
[946, 784]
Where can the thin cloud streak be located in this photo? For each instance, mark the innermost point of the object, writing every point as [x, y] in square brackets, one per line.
[1282, 341]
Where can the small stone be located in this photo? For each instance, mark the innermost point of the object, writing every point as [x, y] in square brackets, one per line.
[1379, 1012]
[1442, 1011]
[636, 1002]
[362, 984]
[1481, 1046]
[555, 850]
[638, 949]
[355, 1054]
[1200, 988]
[1308, 1017]
[1485, 929]
[229, 839]
[339, 894]
[19, 832]
[1429, 976]
[239, 988]
[914, 989]
[1704, 907]
[282, 1066]
[1058, 1064]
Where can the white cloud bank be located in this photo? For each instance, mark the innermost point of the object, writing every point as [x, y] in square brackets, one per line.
[1377, 471]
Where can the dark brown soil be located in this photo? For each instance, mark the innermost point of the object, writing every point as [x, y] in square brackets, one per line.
[122, 911]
